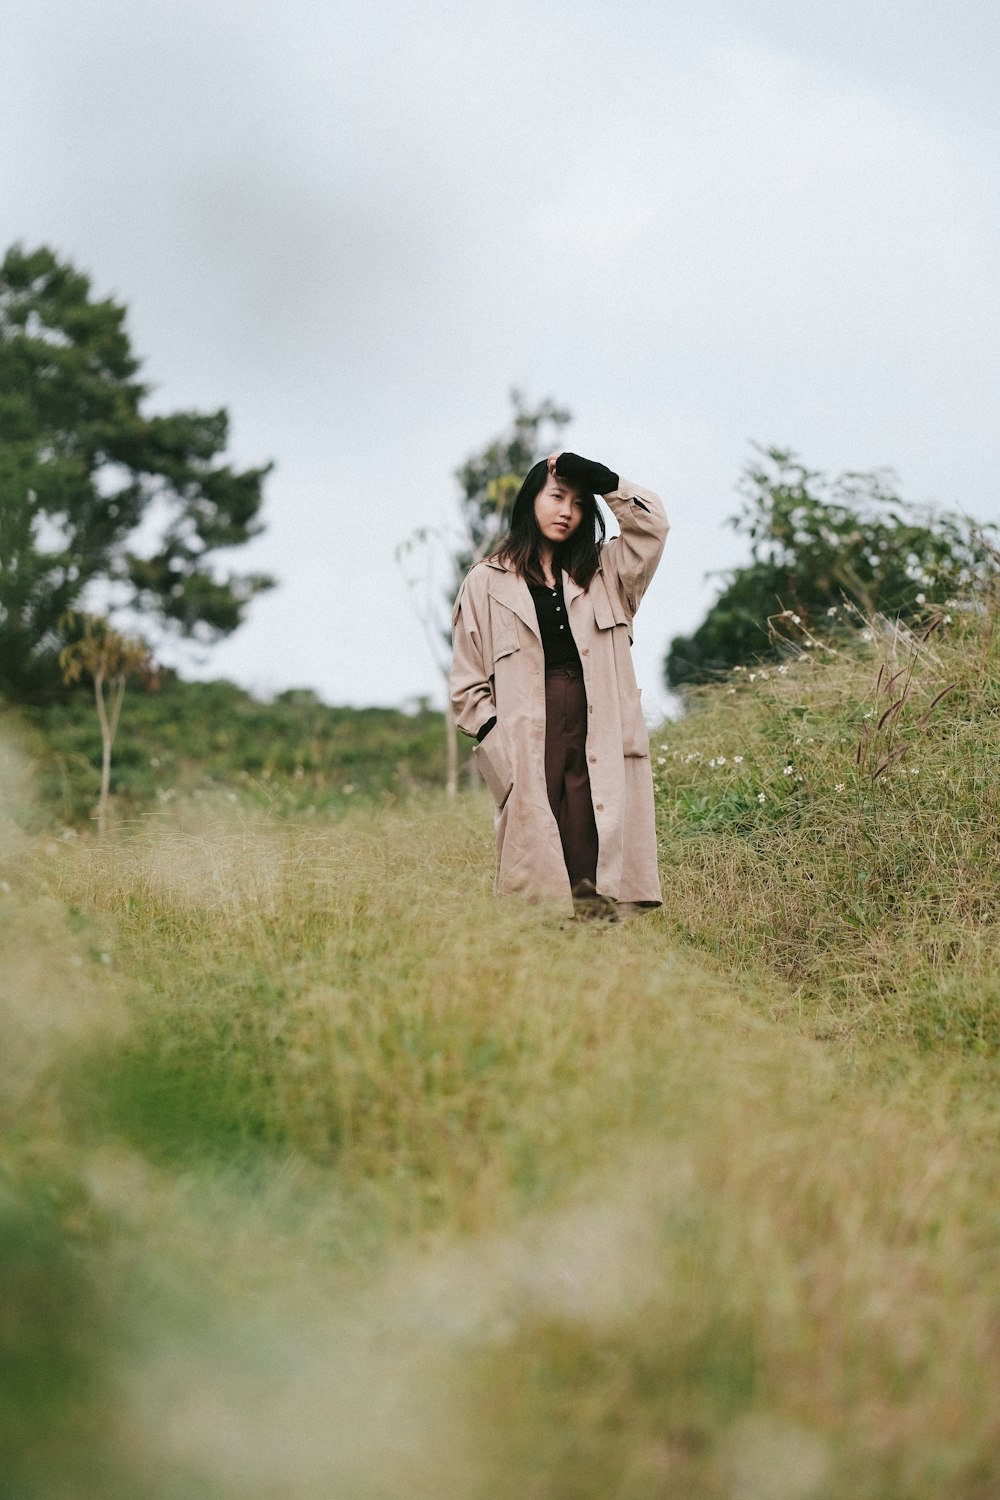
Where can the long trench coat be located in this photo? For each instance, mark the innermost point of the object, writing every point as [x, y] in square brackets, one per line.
[498, 668]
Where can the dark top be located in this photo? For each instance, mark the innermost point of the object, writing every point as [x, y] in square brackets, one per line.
[553, 626]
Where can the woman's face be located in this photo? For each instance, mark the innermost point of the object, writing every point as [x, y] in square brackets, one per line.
[558, 510]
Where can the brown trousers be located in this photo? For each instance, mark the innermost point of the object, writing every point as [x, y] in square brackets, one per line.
[566, 776]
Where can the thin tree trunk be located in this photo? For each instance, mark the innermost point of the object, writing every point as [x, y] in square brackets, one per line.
[109, 728]
[102, 801]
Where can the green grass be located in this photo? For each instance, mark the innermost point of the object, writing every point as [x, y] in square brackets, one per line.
[212, 741]
[324, 1174]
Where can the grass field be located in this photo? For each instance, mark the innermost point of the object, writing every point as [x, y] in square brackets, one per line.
[325, 1175]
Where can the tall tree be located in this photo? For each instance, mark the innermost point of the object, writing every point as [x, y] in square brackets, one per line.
[82, 467]
[489, 480]
[816, 541]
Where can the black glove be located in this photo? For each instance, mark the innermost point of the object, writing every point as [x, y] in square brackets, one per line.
[597, 478]
[484, 729]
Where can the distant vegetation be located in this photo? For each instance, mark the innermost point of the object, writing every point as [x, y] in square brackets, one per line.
[293, 756]
[817, 543]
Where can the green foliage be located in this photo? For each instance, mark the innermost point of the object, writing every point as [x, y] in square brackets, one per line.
[293, 755]
[82, 466]
[816, 542]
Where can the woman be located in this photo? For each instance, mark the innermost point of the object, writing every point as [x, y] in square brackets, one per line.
[542, 678]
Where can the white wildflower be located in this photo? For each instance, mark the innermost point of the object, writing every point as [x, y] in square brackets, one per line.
[753, 676]
[788, 771]
[946, 620]
[840, 787]
[737, 760]
[765, 677]
[783, 671]
[832, 611]
[921, 598]
[761, 797]
[796, 620]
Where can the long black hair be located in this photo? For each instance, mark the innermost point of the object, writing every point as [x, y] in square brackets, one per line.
[579, 554]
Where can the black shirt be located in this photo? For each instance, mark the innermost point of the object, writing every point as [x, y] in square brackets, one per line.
[553, 625]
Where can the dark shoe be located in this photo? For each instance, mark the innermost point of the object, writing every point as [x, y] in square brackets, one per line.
[589, 906]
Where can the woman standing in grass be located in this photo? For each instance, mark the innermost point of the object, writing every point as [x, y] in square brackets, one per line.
[542, 678]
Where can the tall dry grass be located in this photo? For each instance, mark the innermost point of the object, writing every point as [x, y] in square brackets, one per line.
[835, 823]
[325, 1174]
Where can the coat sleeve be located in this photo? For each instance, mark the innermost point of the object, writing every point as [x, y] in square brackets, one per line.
[470, 684]
[630, 560]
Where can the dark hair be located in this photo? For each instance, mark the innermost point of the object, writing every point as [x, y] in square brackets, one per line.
[578, 554]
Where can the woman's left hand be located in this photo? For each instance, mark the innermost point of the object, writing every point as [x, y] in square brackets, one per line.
[552, 460]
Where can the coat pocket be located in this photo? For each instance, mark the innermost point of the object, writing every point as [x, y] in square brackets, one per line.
[495, 765]
[635, 735]
[503, 624]
[609, 611]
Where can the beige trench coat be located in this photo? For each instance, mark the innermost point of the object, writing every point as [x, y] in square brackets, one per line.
[498, 668]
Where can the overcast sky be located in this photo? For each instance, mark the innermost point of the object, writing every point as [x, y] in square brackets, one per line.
[358, 223]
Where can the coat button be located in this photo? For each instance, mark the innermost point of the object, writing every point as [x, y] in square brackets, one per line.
[584, 650]
[590, 708]
[598, 806]
[592, 759]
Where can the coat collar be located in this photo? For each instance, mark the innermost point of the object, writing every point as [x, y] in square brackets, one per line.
[511, 590]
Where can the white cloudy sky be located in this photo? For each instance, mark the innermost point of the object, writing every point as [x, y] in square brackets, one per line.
[358, 223]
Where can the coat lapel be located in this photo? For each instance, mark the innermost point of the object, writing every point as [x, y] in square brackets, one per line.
[511, 590]
[571, 590]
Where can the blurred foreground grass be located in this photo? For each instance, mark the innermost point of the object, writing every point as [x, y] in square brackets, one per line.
[325, 1175]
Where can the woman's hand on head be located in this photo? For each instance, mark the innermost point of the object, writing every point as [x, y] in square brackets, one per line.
[552, 460]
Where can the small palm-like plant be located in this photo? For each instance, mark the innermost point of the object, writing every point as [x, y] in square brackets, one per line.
[109, 659]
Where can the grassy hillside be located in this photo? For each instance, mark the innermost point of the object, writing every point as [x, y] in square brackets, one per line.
[326, 1175]
[834, 824]
[294, 754]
